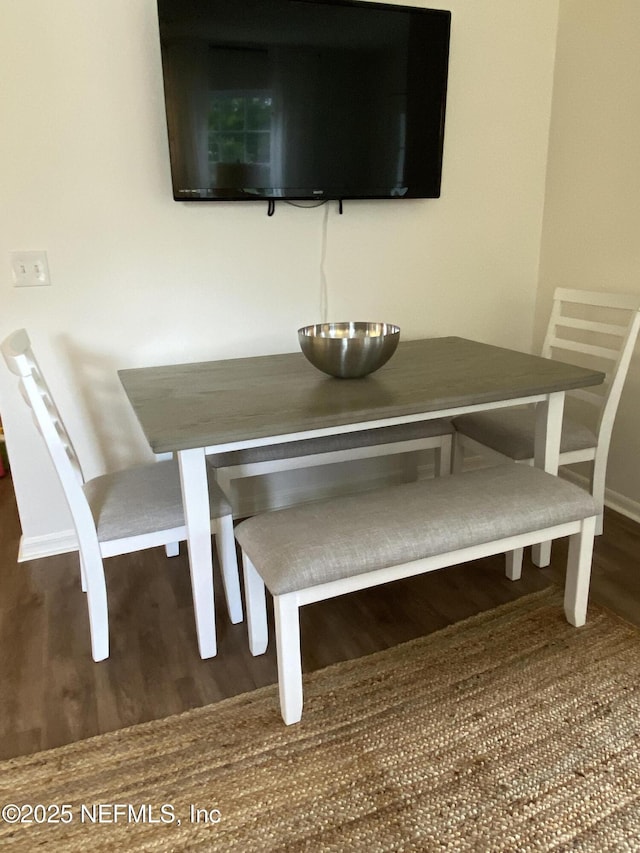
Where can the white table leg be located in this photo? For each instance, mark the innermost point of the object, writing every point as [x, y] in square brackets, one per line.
[195, 499]
[547, 454]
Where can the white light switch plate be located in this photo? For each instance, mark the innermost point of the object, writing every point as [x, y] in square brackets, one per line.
[30, 269]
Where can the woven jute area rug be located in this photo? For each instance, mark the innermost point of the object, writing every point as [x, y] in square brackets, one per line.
[511, 731]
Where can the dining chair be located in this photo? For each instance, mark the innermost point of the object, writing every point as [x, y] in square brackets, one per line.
[121, 512]
[587, 328]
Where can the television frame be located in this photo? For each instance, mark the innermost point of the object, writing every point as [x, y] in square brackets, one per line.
[433, 67]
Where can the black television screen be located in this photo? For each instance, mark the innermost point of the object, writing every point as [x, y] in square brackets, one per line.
[303, 99]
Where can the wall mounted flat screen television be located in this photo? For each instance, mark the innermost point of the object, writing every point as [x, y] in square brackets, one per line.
[303, 99]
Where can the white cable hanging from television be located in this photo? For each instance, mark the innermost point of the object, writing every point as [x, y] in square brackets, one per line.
[324, 290]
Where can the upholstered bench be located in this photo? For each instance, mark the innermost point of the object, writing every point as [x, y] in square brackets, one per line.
[320, 550]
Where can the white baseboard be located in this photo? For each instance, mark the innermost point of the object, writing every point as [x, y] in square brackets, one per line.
[49, 545]
[613, 500]
[625, 506]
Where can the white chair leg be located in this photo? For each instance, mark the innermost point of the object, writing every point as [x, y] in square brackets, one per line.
[287, 619]
[226, 547]
[598, 478]
[171, 549]
[600, 524]
[256, 601]
[576, 588]
[83, 576]
[444, 457]
[513, 561]
[97, 603]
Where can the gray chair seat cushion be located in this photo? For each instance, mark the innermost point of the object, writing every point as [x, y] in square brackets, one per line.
[327, 444]
[303, 546]
[512, 432]
[143, 500]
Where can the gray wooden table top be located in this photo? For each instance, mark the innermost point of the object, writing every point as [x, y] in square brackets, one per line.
[213, 403]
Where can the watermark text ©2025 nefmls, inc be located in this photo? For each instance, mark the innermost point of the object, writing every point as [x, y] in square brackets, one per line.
[106, 813]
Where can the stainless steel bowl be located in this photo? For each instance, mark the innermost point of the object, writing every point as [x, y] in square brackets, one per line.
[349, 350]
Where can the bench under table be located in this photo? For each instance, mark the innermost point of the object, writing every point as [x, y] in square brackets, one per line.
[320, 550]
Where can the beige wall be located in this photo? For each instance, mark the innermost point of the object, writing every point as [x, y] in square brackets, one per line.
[139, 279]
[591, 234]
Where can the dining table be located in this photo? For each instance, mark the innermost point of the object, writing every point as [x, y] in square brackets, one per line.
[193, 409]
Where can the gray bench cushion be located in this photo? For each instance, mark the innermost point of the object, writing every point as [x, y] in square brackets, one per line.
[303, 546]
[512, 432]
[327, 444]
[143, 500]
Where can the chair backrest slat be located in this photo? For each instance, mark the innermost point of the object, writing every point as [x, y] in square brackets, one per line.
[593, 326]
[600, 327]
[587, 349]
[20, 359]
[624, 301]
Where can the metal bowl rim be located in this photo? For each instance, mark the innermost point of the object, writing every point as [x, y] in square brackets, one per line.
[313, 330]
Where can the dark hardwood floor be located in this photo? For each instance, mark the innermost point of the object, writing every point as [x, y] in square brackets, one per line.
[51, 692]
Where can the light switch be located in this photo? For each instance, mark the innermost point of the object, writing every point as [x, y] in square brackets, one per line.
[30, 269]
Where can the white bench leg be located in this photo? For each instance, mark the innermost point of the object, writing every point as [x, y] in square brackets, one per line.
[541, 554]
[226, 547]
[287, 618]
[513, 560]
[444, 456]
[256, 608]
[576, 588]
